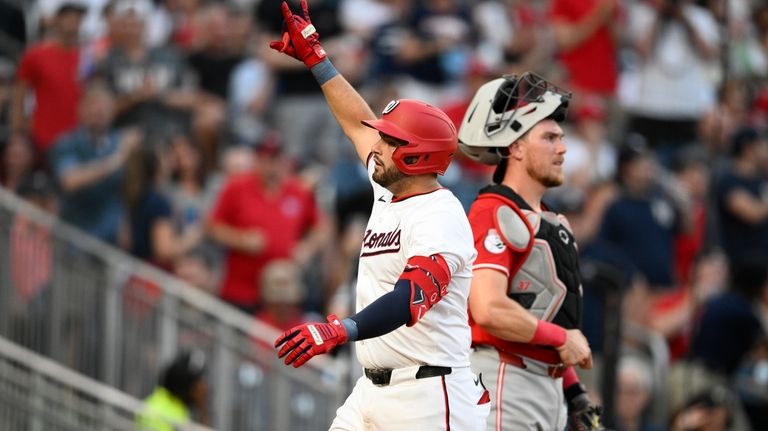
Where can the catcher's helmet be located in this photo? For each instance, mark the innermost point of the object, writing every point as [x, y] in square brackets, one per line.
[506, 108]
[429, 134]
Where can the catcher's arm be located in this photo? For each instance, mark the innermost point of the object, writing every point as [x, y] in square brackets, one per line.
[505, 318]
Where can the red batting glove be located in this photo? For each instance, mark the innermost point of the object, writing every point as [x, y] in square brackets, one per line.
[300, 39]
[302, 342]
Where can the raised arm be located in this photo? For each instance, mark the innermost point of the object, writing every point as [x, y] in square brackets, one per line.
[301, 41]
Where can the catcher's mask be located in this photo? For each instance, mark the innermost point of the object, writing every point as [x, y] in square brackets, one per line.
[429, 136]
[505, 109]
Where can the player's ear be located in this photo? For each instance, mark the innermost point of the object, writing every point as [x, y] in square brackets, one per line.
[515, 150]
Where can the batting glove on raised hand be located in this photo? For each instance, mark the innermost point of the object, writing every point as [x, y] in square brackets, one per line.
[300, 39]
[302, 342]
[583, 415]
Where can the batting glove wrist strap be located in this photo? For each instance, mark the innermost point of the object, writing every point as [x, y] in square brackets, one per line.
[301, 343]
[324, 71]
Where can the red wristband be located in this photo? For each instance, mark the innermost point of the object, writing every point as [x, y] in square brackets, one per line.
[570, 378]
[549, 334]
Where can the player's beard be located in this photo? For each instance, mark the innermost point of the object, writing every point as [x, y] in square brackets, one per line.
[544, 177]
[388, 176]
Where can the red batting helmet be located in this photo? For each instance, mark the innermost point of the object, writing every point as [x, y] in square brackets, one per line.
[429, 134]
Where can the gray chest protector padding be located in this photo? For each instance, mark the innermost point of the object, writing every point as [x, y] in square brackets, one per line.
[535, 285]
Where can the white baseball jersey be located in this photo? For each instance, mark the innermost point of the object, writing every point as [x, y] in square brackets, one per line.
[418, 225]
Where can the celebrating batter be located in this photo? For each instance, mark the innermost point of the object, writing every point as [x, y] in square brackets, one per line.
[526, 296]
[411, 325]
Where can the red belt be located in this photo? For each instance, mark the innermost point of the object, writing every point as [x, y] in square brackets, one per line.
[554, 371]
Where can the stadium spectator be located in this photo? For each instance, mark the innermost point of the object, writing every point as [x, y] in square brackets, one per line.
[591, 157]
[250, 93]
[282, 294]
[731, 113]
[263, 215]
[181, 391]
[188, 188]
[362, 17]
[760, 20]
[17, 160]
[13, 27]
[196, 267]
[674, 314]
[93, 24]
[690, 171]
[153, 86]
[226, 31]
[31, 243]
[634, 391]
[7, 73]
[186, 22]
[31, 258]
[728, 332]
[53, 70]
[706, 411]
[668, 88]
[512, 35]
[742, 203]
[150, 231]
[423, 51]
[299, 113]
[729, 327]
[88, 164]
[644, 218]
[586, 34]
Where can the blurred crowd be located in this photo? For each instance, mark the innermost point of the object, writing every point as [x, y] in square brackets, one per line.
[168, 128]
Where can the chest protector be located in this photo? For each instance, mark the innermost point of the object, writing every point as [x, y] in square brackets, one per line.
[545, 277]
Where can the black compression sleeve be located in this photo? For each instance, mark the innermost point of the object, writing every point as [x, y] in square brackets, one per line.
[391, 311]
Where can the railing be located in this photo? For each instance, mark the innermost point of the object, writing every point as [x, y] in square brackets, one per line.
[39, 394]
[94, 309]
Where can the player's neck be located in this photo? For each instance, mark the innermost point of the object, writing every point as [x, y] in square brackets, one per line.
[530, 190]
[414, 185]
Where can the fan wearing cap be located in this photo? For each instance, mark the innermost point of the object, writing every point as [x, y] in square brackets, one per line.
[414, 270]
[526, 297]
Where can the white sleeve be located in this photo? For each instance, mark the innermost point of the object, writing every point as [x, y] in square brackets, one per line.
[442, 232]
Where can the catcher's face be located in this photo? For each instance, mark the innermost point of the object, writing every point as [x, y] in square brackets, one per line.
[544, 153]
[385, 173]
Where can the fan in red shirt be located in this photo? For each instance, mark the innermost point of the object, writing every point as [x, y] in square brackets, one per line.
[53, 70]
[585, 35]
[261, 216]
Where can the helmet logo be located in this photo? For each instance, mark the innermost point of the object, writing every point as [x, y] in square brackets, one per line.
[390, 106]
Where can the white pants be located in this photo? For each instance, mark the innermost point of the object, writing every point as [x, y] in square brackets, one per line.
[520, 400]
[453, 402]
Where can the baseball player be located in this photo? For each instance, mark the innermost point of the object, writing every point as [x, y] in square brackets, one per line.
[411, 325]
[526, 298]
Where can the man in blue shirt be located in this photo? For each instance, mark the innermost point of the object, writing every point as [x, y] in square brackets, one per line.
[88, 162]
